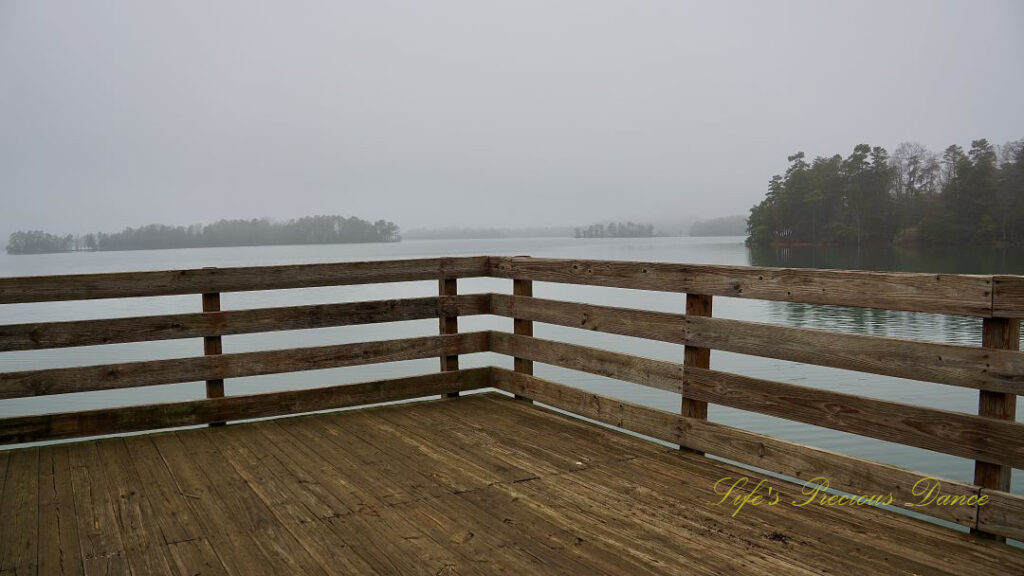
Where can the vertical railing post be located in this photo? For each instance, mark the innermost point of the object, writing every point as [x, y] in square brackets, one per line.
[1002, 334]
[522, 327]
[448, 324]
[212, 347]
[696, 305]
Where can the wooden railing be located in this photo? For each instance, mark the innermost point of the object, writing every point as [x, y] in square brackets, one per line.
[991, 437]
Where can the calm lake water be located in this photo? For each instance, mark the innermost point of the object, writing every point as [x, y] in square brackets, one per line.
[729, 250]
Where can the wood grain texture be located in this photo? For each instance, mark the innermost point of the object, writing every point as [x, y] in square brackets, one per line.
[636, 369]
[195, 369]
[154, 416]
[1008, 296]
[523, 327]
[943, 431]
[59, 549]
[799, 461]
[697, 305]
[102, 546]
[939, 293]
[964, 435]
[1003, 334]
[148, 328]
[337, 493]
[967, 366]
[661, 326]
[212, 346]
[1003, 515]
[200, 280]
[448, 324]
[19, 513]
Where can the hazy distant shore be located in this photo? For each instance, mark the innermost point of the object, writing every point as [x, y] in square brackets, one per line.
[223, 234]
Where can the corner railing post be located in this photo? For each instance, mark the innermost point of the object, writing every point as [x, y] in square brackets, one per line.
[212, 347]
[448, 321]
[1002, 334]
[523, 328]
[696, 305]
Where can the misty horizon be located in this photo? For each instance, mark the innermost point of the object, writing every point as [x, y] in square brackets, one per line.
[472, 115]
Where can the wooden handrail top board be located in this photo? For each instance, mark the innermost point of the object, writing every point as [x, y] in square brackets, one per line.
[960, 294]
[200, 280]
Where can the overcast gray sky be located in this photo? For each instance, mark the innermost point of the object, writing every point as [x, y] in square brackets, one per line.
[474, 113]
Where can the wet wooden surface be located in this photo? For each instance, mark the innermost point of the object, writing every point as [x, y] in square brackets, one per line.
[479, 484]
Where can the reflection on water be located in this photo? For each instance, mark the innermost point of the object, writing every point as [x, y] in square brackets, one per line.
[906, 325]
[951, 329]
[911, 325]
[948, 259]
[894, 324]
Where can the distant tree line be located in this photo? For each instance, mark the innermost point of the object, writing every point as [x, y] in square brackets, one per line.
[913, 196]
[724, 226]
[455, 232]
[256, 232]
[616, 230]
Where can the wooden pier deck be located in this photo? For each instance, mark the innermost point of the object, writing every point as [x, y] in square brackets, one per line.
[473, 481]
[480, 484]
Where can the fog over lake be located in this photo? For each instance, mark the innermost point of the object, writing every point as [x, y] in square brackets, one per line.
[434, 114]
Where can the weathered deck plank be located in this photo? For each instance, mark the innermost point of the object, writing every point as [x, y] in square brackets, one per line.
[19, 513]
[59, 554]
[100, 539]
[480, 484]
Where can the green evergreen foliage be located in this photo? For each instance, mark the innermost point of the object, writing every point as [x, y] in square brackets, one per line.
[912, 196]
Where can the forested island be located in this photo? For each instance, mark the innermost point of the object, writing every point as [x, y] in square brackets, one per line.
[725, 226]
[256, 232]
[615, 230]
[914, 196]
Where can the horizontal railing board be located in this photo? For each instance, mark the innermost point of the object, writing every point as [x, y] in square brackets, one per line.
[1003, 515]
[960, 294]
[956, 365]
[148, 328]
[647, 324]
[1008, 297]
[847, 473]
[205, 280]
[155, 372]
[964, 435]
[966, 366]
[954, 433]
[636, 369]
[972, 295]
[154, 416]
